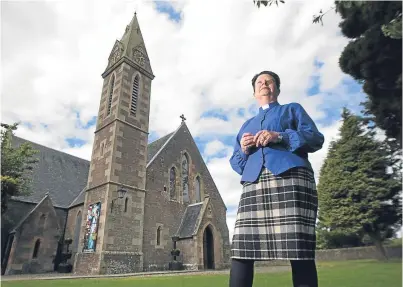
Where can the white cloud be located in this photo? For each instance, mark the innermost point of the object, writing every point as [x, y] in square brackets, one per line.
[213, 148]
[53, 54]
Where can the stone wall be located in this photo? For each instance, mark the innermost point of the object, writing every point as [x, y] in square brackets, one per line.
[121, 262]
[189, 255]
[354, 253]
[73, 227]
[368, 252]
[161, 210]
[41, 230]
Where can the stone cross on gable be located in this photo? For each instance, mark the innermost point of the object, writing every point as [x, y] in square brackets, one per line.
[183, 118]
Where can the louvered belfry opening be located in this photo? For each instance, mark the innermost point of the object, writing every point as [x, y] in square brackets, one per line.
[111, 94]
[135, 93]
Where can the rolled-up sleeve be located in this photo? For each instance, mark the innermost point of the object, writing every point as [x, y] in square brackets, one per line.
[306, 137]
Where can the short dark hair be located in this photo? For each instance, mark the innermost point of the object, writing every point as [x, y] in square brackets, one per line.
[274, 75]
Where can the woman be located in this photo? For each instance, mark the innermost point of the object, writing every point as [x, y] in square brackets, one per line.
[278, 206]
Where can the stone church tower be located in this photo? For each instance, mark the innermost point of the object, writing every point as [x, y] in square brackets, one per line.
[112, 237]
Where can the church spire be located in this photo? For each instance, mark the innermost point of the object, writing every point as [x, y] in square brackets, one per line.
[132, 47]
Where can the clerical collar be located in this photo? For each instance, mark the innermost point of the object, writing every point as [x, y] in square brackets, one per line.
[266, 106]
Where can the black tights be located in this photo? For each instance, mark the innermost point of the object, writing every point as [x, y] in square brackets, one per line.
[304, 273]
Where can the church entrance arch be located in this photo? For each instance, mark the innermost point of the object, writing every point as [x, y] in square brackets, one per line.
[208, 248]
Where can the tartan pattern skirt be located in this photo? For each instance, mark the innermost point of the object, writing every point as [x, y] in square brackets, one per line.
[276, 217]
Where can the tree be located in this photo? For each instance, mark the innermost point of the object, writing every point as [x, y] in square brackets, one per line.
[375, 60]
[17, 164]
[358, 189]
[373, 57]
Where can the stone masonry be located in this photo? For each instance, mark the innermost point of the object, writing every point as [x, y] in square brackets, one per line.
[43, 237]
[119, 161]
[169, 191]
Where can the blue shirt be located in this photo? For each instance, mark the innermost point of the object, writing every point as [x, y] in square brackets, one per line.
[300, 137]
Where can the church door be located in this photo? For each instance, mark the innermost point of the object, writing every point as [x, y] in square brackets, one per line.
[208, 248]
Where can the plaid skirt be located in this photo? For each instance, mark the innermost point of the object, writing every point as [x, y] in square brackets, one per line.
[276, 217]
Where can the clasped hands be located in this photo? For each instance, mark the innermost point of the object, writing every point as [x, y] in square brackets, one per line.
[262, 138]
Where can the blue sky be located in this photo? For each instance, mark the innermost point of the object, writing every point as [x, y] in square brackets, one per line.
[226, 39]
[331, 105]
[165, 7]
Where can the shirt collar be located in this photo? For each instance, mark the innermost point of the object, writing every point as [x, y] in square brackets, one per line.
[268, 106]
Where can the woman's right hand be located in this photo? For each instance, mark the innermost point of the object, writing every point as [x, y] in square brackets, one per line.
[247, 141]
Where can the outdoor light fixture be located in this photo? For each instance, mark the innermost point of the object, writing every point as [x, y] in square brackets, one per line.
[121, 194]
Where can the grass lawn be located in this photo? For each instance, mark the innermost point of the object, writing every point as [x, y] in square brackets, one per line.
[331, 274]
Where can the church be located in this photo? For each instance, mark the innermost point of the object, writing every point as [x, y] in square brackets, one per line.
[135, 206]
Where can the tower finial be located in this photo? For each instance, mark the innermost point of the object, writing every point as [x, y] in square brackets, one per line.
[183, 118]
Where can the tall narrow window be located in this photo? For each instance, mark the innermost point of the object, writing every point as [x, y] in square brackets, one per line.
[185, 178]
[77, 231]
[172, 183]
[159, 235]
[36, 249]
[126, 200]
[111, 94]
[135, 94]
[197, 189]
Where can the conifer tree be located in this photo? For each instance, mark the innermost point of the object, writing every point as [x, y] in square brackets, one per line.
[358, 189]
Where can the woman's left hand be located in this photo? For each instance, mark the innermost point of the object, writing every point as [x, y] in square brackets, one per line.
[264, 137]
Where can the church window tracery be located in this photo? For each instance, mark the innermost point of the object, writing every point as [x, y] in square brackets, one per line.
[111, 94]
[185, 178]
[135, 93]
[172, 183]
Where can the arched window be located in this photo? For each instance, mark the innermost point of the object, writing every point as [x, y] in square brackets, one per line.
[172, 183]
[36, 248]
[135, 94]
[77, 229]
[197, 189]
[185, 178]
[159, 235]
[111, 94]
[126, 200]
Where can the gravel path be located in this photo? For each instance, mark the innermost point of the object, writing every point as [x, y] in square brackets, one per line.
[58, 276]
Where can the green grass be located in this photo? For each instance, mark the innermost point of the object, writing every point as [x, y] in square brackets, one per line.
[331, 274]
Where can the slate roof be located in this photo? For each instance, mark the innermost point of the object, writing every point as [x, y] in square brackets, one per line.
[189, 220]
[61, 175]
[79, 199]
[155, 146]
[65, 176]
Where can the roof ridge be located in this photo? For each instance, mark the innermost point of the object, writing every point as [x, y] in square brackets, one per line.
[163, 146]
[29, 213]
[52, 149]
[71, 203]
